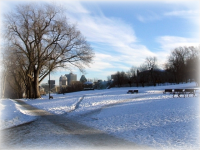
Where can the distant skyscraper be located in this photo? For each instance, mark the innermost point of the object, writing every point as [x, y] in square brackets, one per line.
[83, 79]
[63, 81]
[71, 77]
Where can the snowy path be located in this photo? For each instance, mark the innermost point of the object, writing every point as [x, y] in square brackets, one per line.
[58, 131]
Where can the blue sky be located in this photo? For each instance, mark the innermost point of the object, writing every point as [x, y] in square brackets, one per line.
[123, 33]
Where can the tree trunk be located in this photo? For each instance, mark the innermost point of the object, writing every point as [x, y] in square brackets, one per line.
[3, 85]
[30, 89]
[36, 84]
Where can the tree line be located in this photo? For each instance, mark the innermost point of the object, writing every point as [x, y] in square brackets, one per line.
[182, 66]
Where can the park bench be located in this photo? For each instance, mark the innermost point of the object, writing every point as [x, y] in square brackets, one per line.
[132, 91]
[167, 90]
[179, 92]
[190, 91]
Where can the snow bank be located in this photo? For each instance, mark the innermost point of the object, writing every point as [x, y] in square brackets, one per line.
[11, 114]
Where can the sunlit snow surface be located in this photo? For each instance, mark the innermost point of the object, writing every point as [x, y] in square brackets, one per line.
[161, 123]
[12, 114]
[147, 118]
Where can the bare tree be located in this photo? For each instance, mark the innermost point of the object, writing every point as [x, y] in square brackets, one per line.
[4, 74]
[151, 63]
[192, 64]
[42, 36]
[131, 75]
[120, 78]
[142, 74]
[183, 62]
[12, 76]
[177, 61]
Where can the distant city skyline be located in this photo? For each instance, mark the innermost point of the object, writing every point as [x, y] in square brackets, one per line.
[122, 34]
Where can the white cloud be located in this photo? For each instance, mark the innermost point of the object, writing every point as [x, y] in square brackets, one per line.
[123, 47]
[171, 42]
[106, 30]
[101, 61]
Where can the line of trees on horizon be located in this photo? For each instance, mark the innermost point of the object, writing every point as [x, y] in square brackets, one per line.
[182, 66]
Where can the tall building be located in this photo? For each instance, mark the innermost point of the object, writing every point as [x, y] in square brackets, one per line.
[71, 77]
[83, 79]
[63, 81]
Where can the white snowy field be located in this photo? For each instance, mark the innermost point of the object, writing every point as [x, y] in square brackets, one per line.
[148, 118]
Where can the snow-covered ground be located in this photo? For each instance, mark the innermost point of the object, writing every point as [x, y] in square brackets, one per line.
[148, 118]
[12, 115]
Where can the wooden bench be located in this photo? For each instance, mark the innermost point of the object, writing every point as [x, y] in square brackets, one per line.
[190, 91]
[132, 91]
[179, 92]
[167, 90]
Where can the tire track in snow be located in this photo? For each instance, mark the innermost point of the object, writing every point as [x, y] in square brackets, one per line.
[137, 99]
[77, 104]
[120, 102]
[80, 100]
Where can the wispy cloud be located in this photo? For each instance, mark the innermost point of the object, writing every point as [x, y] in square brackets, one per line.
[123, 47]
[182, 13]
[190, 14]
[185, 9]
[151, 16]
